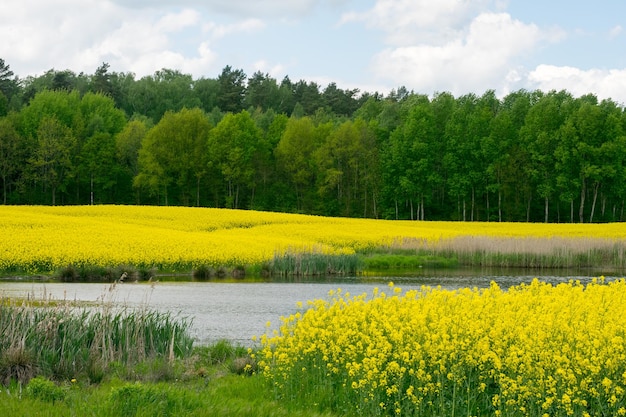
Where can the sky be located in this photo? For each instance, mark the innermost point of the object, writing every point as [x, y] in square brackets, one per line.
[427, 46]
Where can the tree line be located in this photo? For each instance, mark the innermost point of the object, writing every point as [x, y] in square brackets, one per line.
[254, 143]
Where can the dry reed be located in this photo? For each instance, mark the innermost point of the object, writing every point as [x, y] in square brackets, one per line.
[524, 252]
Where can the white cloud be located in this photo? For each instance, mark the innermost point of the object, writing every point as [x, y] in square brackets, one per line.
[81, 34]
[173, 22]
[407, 22]
[277, 71]
[217, 31]
[276, 9]
[615, 31]
[475, 59]
[603, 83]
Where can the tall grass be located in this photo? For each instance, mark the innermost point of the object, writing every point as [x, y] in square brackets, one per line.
[526, 252]
[312, 264]
[61, 340]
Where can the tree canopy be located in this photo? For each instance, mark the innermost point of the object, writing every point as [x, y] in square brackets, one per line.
[256, 143]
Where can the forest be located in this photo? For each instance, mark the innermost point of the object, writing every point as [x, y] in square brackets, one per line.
[253, 142]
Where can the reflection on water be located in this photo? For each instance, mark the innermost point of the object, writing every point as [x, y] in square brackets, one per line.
[239, 310]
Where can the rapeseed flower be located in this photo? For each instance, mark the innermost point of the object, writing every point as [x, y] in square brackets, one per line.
[535, 349]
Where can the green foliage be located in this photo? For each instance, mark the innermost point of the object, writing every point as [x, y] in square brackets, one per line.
[302, 147]
[146, 400]
[45, 390]
[397, 262]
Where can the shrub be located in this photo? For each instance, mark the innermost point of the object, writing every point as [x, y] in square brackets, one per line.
[203, 272]
[137, 399]
[244, 365]
[17, 363]
[45, 390]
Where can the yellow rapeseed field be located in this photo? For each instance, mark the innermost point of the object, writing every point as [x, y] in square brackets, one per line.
[43, 238]
[534, 350]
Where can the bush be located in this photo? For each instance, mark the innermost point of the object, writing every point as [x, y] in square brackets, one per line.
[138, 399]
[45, 390]
[244, 365]
[17, 363]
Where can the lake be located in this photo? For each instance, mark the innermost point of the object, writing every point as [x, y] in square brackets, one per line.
[240, 310]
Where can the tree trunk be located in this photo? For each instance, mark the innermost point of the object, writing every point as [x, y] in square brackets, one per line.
[396, 201]
[488, 215]
[464, 217]
[499, 205]
[197, 191]
[473, 205]
[593, 204]
[374, 208]
[546, 213]
[91, 189]
[365, 202]
[581, 209]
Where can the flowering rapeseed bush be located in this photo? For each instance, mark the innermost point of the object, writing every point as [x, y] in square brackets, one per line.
[39, 239]
[534, 350]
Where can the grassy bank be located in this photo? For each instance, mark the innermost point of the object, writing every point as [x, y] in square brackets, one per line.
[59, 358]
[225, 396]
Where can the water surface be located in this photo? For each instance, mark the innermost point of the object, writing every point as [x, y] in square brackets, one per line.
[240, 310]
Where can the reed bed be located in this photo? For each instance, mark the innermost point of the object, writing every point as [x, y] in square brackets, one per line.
[524, 252]
[534, 350]
[62, 340]
[311, 264]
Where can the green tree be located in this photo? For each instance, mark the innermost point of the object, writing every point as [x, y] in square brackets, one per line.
[94, 156]
[286, 98]
[340, 102]
[51, 162]
[232, 89]
[99, 164]
[166, 90]
[460, 161]
[207, 90]
[233, 146]
[596, 129]
[173, 153]
[308, 95]
[64, 106]
[540, 135]
[127, 145]
[295, 157]
[408, 159]
[262, 92]
[344, 161]
[11, 159]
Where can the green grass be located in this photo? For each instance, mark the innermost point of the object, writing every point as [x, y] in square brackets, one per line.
[230, 395]
[204, 383]
[403, 262]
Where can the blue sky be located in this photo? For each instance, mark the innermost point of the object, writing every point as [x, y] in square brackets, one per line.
[459, 46]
